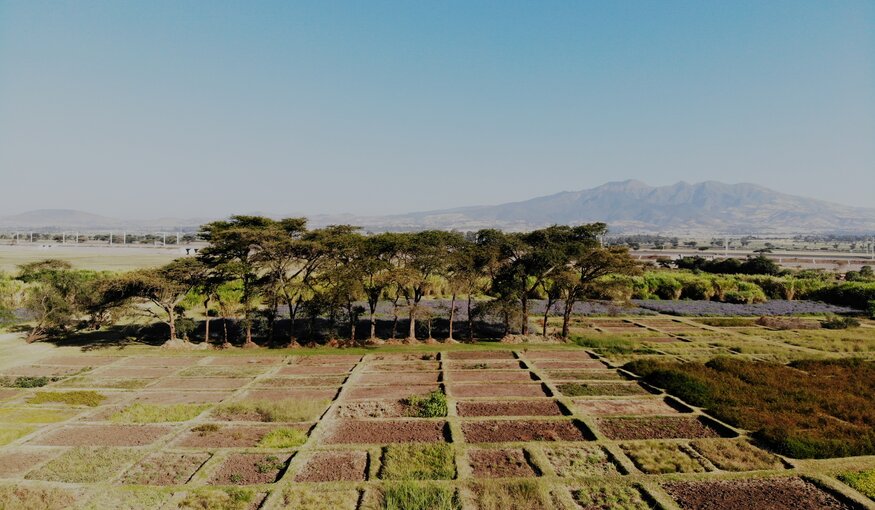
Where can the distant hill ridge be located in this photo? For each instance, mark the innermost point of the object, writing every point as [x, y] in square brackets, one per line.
[628, 206]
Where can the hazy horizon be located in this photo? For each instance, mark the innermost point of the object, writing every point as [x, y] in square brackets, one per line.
[200, 109]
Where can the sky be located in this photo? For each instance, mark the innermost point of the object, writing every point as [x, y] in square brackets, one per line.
[208, 108]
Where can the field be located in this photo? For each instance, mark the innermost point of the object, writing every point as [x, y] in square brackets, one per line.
[99, 258]
[436, 426]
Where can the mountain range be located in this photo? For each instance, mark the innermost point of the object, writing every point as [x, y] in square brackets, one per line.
[627, 207]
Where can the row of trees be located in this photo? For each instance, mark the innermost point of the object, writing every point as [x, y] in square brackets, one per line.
[254, 267]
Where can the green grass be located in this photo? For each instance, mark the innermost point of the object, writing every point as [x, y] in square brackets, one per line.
[85, 465]
[417, 496]
[527, 494]
[218, 499]
[33, 498]
[418, 462]
[73, 398]
[283, 438]
[286, 410]
[863, 481]
[9, 434]
[308, 499]
[24, 415]
[614, 496]
[433, 405]
[156, 413]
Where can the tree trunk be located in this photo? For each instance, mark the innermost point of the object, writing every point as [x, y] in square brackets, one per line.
[452, 314]
[394, 318]
[171, 322]
[373, 325]
[226, 343]
[524, 328]
[470, 321]
[546, 316]
[207, 320]
[566, 318]
[412, 333]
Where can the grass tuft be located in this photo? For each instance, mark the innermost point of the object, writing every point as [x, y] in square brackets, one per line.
[84, 465]
[433, 405]
[527, 494]
[418, 462]
[417, 496]
[283, 438]
[156, 413]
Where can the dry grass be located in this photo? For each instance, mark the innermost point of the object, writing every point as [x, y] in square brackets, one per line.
[308, 499]
[286, 410]
[9, 434]
[157, 413]
[527, 494]
[736, 455]
[28, 498]
[73, 398]
[580, 461]
[614, 496]
[418, 462]
[85, 465]
[660, 458]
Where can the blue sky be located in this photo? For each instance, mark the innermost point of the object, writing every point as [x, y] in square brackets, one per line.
[184, 108]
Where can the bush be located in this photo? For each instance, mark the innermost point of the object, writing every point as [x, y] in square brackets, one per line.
[433, 405]
[836, 322]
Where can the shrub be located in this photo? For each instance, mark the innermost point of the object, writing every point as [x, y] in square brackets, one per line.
[433, 405]
[836, 322]
[26, 382]
[786, 323]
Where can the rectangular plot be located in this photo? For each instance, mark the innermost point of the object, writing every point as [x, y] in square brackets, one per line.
[497, 390]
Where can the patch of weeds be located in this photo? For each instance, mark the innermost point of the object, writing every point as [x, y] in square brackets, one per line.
[269, 463]
[236, 479]
[476, 366]
[736, 455]
[127, 498]
[286, 410]
[613, 496]
[23, 415]
[580, 461]
[308, 499]
[837, 322]
[218, 499]
[660, 458]
[863, 481]
[84, 465]
[89, 382]
[526, 494]
[599, 389]
[205, 428]
[218, 371]
[26, 381]
[418, 462]
[433, 405]
[156, 413]
[28, 498]
[417, 496]
[9, 434]
[283, 438]
[428, 357]
[73, 398]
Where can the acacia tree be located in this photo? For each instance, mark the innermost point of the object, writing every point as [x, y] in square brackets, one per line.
[463, 275]
[374, 263]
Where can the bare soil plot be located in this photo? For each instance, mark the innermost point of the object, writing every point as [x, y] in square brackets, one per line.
[42, 498]
[334, 466]
[625, 406]
[383, 432]
[411, 366]
[660, 427]
[510, 408]
[399, 378]
[197, 383]
[312, 370]
[611, 323]
[754, 494]
[297, 382]
[299, 394]
[495, 376]
[584, 460]
[557, 355]
[79, 361]
[478, 355]
[484, 365]
[39, 371]
[601, 389]
[399, 357]
[240, 361]
[8, 393]
[318, 359]
[134, 372]
[124, 383]
[497, 390]
[165, 468]
[183, 360]
[500, 463]
[103, 435]
[372, 409]
[250, 469]
[181, 397]
[16, 463]
[518, 431]
[579, 364]
[210, 435]
[388, 392]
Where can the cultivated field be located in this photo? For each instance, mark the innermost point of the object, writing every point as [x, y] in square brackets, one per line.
[490, 426]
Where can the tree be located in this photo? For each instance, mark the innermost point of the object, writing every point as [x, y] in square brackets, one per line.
[374, 261]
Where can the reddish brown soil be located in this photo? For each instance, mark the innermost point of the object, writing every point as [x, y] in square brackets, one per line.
[509, 408]
[754, 494]
[505, 463]
[484, 365]
[490, 376]
[329, 359]
[570, 364]
[8, 393]
[598, 389]
[239, 361]
[165, 469]
[336, 466]
[497, 390]
[624, 407]
[79, 361]
[312, 370]
[387, 392]
[660, 427]
[372, 409]
[399, 378]
[162, 361]
[201, 383]
[135, 372]
[557, 355]
[477, 355]
[301, 393]
[410, 366]
[403, 357]
[297, 382]
[584, 375]
[225, 436]
[512, 431]
[104, 435]
[382, 432]
[181, 397]
[250, 469]
[18, 463]
[39, 371]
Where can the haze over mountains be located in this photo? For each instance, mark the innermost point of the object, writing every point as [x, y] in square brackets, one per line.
[628, 206]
